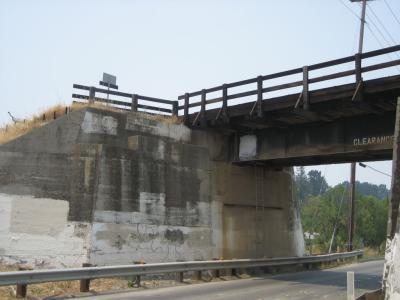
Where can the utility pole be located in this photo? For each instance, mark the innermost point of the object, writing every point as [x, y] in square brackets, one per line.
[362, 25]
[352, 205]
[353, 164]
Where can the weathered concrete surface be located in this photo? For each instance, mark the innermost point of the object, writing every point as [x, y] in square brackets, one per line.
[109, 188]
[391, 276]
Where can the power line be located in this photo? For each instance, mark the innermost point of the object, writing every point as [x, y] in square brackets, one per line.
[391, 10]
[376, 170]
[380, 43]
[350, 10]
[383, 26]
[383, 36]
[379, 31]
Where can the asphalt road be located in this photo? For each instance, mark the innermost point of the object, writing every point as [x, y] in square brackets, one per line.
[326, 284]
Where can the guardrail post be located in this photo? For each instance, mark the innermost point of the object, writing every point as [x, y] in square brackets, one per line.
[134, 106]
[179, 277]
[203, 107]
[175, 108]
[198, 275]
[84, 284]
[22, 289]
[259, 96]
[306, 100]
[186, 109]
[92, 93]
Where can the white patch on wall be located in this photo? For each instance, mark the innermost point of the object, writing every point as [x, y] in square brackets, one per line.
[36, 231]
[247, 147]
[178, 132]
[97, 123]
[126, 243]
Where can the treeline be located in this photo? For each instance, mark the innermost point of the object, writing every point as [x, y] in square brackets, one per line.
[325, 212]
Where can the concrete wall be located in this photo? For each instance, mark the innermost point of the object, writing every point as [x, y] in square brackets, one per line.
[110, 188]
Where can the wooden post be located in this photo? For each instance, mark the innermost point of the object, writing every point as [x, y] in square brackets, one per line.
[92, 93]
[198, 275]
[66, 110]
[138, 277]
[134, 106]
[203, 107]
[84, 284]
[186, 109]
[179, 277]
[259, 96]
[21, 290]
[306, 100]
[359, 81]
[358, 68]
[175, 108]
[225, 102]
[54, 115]
[44, 117]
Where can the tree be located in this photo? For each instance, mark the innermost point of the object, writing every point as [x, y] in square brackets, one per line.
[302, 185]
[317, 183]
[322, 214]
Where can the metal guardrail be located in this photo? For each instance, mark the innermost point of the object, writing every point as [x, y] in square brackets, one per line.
[40, 276]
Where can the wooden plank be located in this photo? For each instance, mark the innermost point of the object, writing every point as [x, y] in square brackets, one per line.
[332, 76]
[380, 51]
[381, 66]
[331, 63]
[283, 86]
[157, 100]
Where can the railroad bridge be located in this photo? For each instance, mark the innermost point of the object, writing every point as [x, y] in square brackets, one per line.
[294, 117]
[333, 124]
[115, 187]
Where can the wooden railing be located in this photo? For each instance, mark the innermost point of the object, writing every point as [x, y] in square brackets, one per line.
[135, 103]
[303, 99]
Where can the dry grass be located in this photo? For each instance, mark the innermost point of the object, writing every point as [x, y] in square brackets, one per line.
[13, 131]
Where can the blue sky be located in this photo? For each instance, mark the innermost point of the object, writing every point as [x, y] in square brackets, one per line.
[165, 48]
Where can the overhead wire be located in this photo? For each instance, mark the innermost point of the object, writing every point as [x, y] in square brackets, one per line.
[383, 26]
[372, 31]
[392, 12]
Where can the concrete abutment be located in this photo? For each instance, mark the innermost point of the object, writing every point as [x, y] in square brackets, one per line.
[104, 187]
